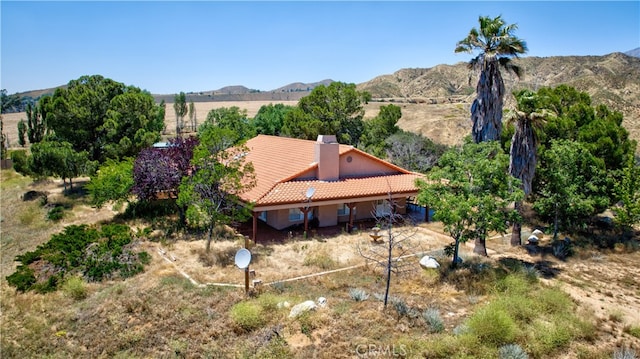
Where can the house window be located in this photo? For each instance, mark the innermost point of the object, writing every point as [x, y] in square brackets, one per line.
[295, 214]
[343, 210]
[383, 207]
[263, 216]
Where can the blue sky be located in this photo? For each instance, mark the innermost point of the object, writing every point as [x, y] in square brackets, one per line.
[168, 47]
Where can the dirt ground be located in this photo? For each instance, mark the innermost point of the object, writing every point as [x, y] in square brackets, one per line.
[286, 260]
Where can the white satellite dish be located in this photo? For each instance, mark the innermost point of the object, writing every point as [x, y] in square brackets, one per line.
[243, 258]
[310, 192]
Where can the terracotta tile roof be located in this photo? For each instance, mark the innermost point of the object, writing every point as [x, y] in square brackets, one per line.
[349, 188]
[278, 161]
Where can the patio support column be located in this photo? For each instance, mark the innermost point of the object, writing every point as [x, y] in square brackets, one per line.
[254, 232]
[351, 208]
[305, 211]
[426, 213]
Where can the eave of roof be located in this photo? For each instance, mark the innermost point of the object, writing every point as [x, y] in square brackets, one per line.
[348, 188]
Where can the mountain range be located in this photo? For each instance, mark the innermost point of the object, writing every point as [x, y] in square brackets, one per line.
[613, 80]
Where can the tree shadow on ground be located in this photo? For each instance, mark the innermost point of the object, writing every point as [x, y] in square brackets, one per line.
[547, 269]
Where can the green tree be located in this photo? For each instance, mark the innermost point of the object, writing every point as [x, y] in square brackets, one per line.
[470, 192]
[83, 114]
[112, 182]
[497, 45]
[133, 122]
[212, 192]
[36, 120]
[597, 129]
[572, 186]
[180, 108]
[627, 212]
[4, 142]
[22, 131]
[524, 147]
[231, 118]
[8, 103]
[59, 159]
[270, 119]
[193, 118]
[378, 129]
[334, 109]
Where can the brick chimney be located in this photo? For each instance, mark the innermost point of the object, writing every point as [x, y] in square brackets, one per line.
[327, 157]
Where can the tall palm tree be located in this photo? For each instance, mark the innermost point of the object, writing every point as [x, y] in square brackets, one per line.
[497, 45]
[527, 118]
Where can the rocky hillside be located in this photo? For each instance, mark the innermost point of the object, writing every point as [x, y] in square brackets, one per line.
[613, 80]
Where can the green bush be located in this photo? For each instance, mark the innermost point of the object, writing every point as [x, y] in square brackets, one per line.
[97, 253]
[75, 288]
[633, 331]
[549, 337]
[519, 307]
[514, 284]
[21, 162]
[247, 316]
[23, 278]
[56, 213]
[552, 300]
[493, 326]
[269, 301]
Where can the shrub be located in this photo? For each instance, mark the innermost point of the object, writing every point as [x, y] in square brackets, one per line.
[493, 326]
[552, 300]
[461, 329]
[520, 307]
[512, 351]
[269, 302]
[75, 288]
[56, 213]
[276, 348]
[531, 273]
[402, 309]
[279, 286]
[358, 295]
[550, 337]
[247, 316]
[23, 278]
[633, 331]
[562, 249]
[320, 259]
[513, 284]
[433, 319]
[97, 253]
[21, 162]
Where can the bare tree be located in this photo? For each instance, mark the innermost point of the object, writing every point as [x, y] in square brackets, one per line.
[390, 244]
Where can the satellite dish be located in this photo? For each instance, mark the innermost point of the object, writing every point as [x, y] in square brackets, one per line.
[243, 257]
[310, 192]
